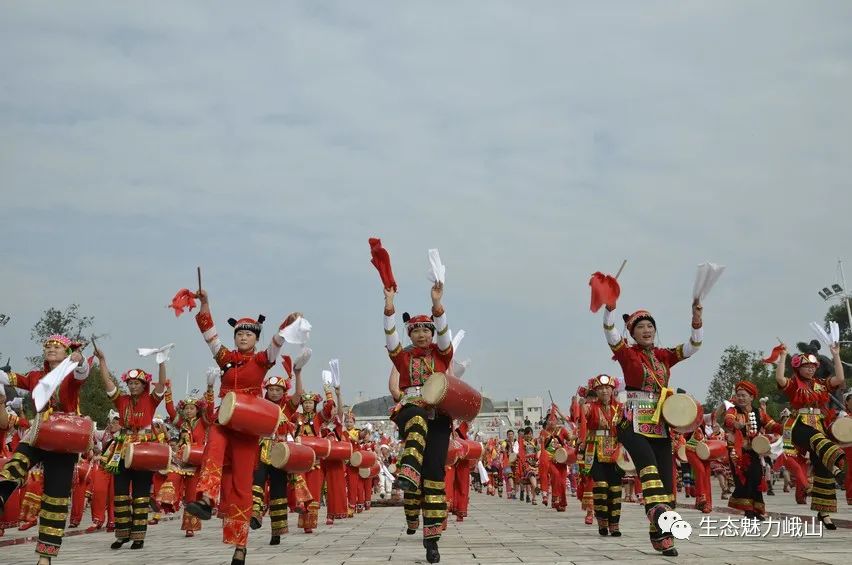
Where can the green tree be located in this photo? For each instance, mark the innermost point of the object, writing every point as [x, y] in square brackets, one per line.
[837, 313]
[94, 401]
[70, 323]
[738, 364]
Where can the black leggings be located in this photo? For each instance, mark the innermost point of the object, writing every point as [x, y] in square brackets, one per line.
[58, 475]
[422, 463]
[277, 496]
[131, 517]
[825, 455]
[653, 460]
[607, 493]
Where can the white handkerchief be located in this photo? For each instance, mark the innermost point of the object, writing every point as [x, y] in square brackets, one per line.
[50, 382]
[334, 365]
[437, 270]
[299, 332]
[162, 352]
[460, 367]
[728, 404]
[326, 378]
[706, 277]
[835, 332]
[457, 339]
[821, 335]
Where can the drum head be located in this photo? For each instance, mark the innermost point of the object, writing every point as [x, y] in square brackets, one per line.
[513, 457]
[364, 472]
[681, 452]
[560, 455]
[226, 409]
[128, 456]
[279, 453]
[760, 444]
[184, 453]
[392, 469]
[435, 389]
[702, 450]
[841, 429]
[624, 461]
[680, 410]
[356, 458]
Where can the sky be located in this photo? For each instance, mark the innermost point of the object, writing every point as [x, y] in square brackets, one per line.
[531, 144]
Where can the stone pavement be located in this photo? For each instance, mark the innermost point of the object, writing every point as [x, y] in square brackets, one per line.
[497, 531]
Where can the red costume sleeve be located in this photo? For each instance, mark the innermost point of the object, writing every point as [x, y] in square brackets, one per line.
[170, 405]
[26, 382]
[730, 419]
[209, 409]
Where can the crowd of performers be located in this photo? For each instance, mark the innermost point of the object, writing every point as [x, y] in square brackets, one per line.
[261, 450]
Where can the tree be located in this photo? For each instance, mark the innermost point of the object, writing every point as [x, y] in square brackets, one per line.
[837, 313]
[738, 364]
[70, 323]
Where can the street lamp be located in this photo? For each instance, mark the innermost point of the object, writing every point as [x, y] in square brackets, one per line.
[837, 291]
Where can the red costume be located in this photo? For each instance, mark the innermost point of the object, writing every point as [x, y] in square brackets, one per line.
[461, 479]
[227, 470]
[310, 424]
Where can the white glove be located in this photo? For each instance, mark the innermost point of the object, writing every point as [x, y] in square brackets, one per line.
[302, 358]
[326, 378]
[764, 400]
[4, 378]
[334, 365]
[16, 403]
[213, 373]
[299, 332]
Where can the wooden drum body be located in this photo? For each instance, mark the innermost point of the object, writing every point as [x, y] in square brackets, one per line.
[340, 451]
[711, 449]
[63, 433]
[473, 450]
[192, 454]
[249, 414]
[452, 396]
[147, 456]
[320, 445]
[292, 457]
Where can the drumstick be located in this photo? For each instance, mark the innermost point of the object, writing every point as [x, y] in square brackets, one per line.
[199, 278]
[621, 268]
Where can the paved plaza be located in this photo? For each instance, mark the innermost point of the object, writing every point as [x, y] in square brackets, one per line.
[497, 531]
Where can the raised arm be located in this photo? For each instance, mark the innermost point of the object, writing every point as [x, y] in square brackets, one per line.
[160, 386]
[780, 367]
[300, 389]
[694, 343]
[392, 342]
[81, 372]
[838, 379]
[393, 384]
[277, 342]
[170, 403]
[109, 386]
[204, 319]
[442, 328]
[209, 408]
[613, 338]
[339, 402]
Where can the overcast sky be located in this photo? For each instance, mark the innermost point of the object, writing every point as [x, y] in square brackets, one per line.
[532, 144]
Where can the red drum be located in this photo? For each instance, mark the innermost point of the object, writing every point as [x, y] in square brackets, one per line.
[320, 445]
[362, 459]
[249, 414]
[192, 454]
[63, 433]
[683, 413]
[474, 449]
[292, 457]
[452, 396]
[340, 451]
[147, 456]
[456, 451]
[711, 449]
[566, 455]
[369, 472]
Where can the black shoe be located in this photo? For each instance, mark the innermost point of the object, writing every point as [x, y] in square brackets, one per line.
[242, 559]
[432, 554]
[828, 525]
[138, 544]
[670, 552]
[411, 531]
[118, 543]
[770, 493]
[616, 534]
[603, 531]
[200, 509]
[255, 524]
[275, 540]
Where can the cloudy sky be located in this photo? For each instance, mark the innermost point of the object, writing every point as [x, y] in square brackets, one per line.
[532, 145]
